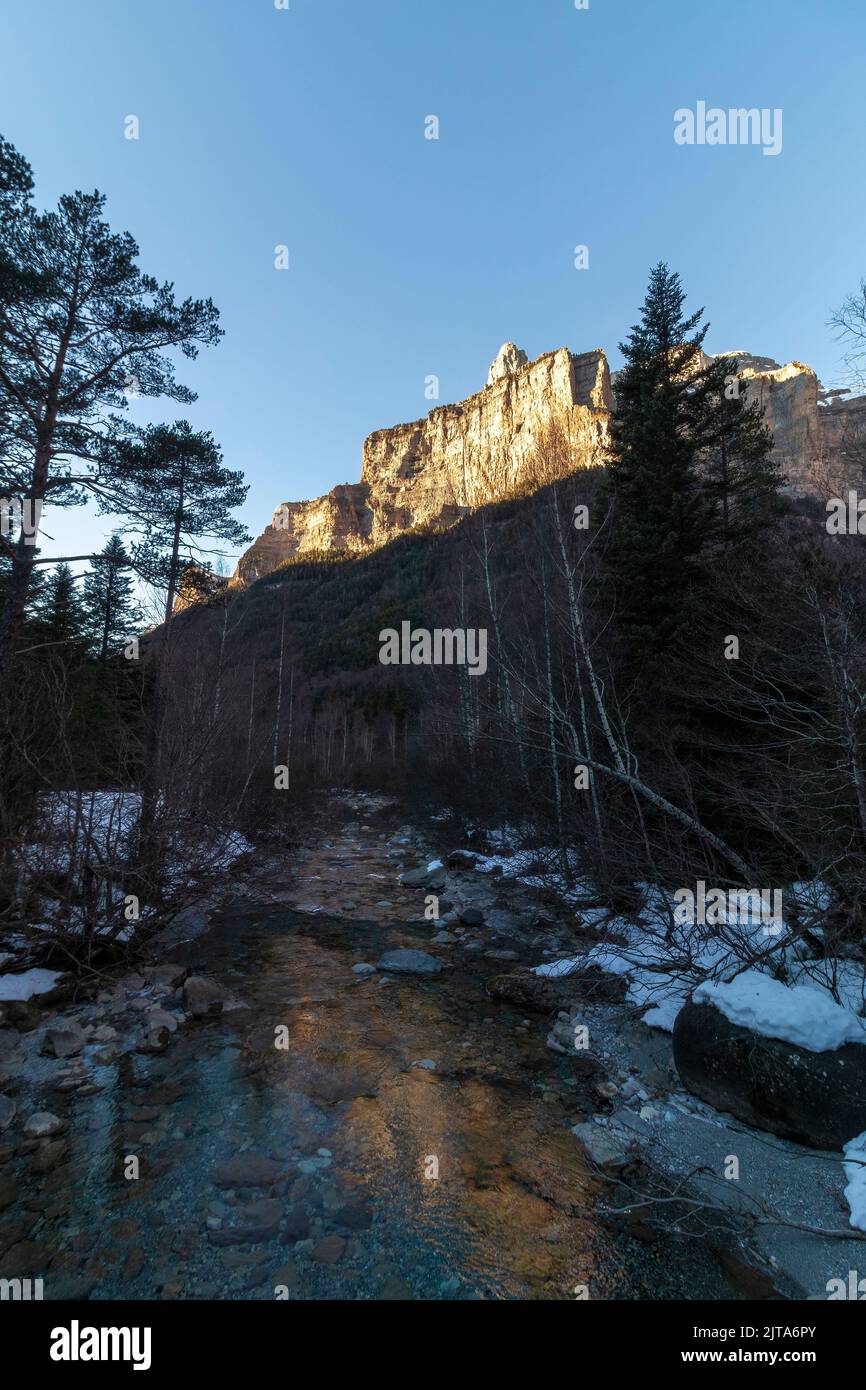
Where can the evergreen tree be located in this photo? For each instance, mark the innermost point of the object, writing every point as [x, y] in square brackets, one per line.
[62, 621]
[109, 599]
[173, 483]
[173, 480]
[82, 327]
[689, 468]
[658, 510]
[739, 474]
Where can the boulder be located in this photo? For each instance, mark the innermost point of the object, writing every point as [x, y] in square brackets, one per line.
[601, 1147]
[813, 1098]
[527, 990]
[203, 998]
[425, 877]
[461, 859]
[167, 976]
[404, 962]
[472, 917]
[63, 1040]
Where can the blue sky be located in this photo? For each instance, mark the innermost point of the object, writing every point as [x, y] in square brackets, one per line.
[411, 257]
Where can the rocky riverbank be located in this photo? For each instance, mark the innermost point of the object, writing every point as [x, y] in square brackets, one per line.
[320, 1089]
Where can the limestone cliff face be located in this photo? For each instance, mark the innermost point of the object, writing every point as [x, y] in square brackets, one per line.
[788, 397]
[433, 471]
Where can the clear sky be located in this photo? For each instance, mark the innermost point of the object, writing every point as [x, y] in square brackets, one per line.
[411, 257]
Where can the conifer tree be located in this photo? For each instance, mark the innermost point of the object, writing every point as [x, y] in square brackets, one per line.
[62, 620]
[173, 480]
[689, 470]
[82, 329]
[109, 599]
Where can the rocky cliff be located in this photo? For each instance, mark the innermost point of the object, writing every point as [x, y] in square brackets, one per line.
[433, 471]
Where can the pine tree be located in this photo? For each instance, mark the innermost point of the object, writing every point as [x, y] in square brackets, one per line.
[109, 599]
[81, 328]
[740, 476]
[174, 481]
[690, 468]
[659, 512]
[62, 621]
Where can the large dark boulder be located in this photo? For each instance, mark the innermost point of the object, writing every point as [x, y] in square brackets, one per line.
[814, 1098]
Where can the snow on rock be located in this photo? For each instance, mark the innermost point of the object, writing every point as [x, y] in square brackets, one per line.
[801, 1014]
[855, 1172]
[27, 984]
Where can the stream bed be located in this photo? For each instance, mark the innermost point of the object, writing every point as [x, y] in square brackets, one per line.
[339, 1135]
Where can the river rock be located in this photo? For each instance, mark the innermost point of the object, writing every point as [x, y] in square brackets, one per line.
[527, 990]
[161, 1018]
[8, 1110]
[247, 1170]
[48, 1156]
[362, 968]
[424, 878]
[461, 859]
[203, 998]
[472, 917]
[814, 1098]
[167, 976]
[63, 1040]
[329, 1250]
[405, 962]
[259, 1221]
[355, 1216]
[43, 1125]
[601, 1147]
[297, 1225]
[154, 1041]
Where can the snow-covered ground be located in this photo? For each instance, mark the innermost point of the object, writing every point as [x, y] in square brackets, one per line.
[96, 829]
[666, 958]
[27, 984]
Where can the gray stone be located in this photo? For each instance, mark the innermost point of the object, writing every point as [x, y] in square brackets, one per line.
[247, 1170]
[63, 1040]
[461, 859]
[43, 1125]
[601, 1147]
[403, 962]
[203, 998]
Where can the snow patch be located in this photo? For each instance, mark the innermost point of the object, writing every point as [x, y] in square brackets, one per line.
[27, 984]
[796, 1014]
[855, 1172]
